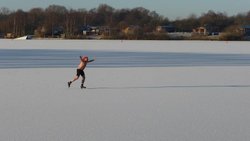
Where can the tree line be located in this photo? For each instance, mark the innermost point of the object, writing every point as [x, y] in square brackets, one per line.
[55, 18]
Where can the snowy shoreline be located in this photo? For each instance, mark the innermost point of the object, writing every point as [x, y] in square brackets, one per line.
[230, 47]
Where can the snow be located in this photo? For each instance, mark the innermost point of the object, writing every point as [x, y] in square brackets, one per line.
[27, 37]
[127, 103]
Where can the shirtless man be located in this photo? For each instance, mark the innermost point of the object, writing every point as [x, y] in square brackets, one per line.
[83, 63]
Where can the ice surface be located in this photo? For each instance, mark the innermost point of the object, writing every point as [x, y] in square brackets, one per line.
[191, 103]
[65, 53]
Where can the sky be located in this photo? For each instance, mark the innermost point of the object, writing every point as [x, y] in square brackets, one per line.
[172, 9]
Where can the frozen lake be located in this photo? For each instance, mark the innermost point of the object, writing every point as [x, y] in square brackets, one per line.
[136, 91]
[59, 56]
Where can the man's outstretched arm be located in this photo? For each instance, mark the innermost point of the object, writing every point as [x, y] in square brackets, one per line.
[91, 60]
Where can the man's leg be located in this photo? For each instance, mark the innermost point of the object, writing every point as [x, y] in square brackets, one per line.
[83, 80]
[75, 78]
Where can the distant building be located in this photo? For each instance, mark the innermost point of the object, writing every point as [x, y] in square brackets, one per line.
[200, 30]
[1, 35]
[57, 31]
[10, 35]
[168, 28]
[206, 30]
[90, 30]
[246, 30]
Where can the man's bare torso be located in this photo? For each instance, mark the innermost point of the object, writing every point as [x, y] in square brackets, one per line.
[82, 65]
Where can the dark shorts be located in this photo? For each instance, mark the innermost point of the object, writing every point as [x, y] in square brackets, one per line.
[80, 72]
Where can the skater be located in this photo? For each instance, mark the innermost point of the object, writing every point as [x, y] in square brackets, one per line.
[83, 62]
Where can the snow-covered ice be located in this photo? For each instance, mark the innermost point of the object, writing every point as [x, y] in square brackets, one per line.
[191, 103]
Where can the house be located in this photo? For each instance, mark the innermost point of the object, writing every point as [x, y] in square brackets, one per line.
[200, 30]
[206, 30]
[246, 30]
[57, 31]
[168, 28]
[90, 30]
[1, 35]
[10, 35]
